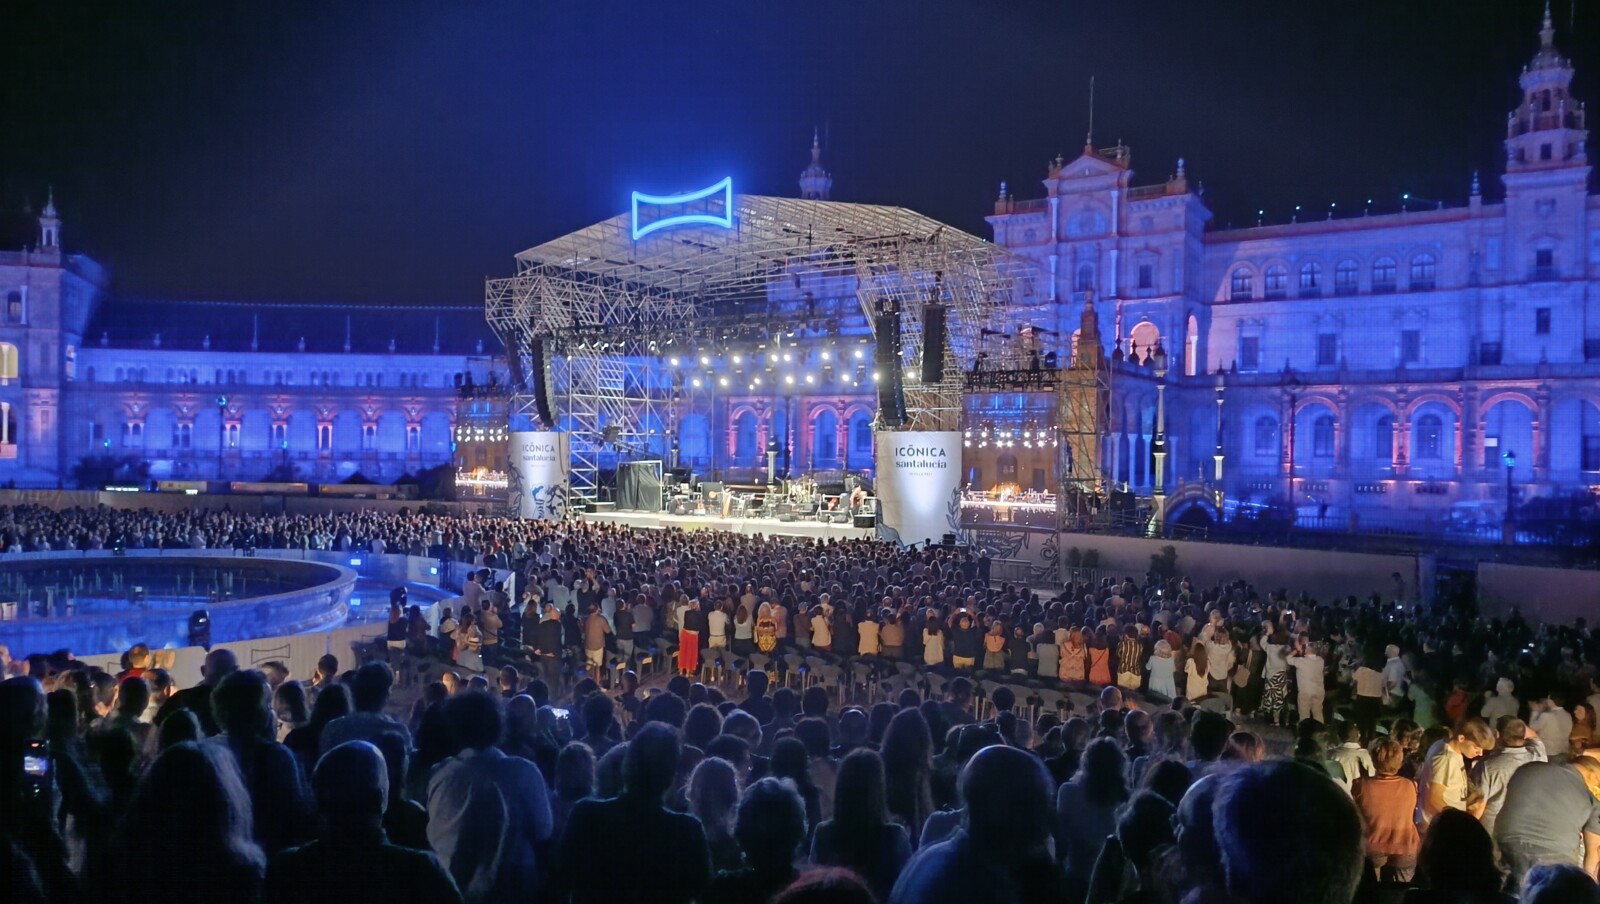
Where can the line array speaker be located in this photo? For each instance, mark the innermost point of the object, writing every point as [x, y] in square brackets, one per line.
[543, 383]
[933, 343]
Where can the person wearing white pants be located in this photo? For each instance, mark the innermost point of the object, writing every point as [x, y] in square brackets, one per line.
[1307, 663]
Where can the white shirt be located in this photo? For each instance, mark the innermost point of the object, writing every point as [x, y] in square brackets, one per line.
[821, 631]
[1394, 679]
[1554, 727]
[717, 623]
[1308, 672]
[486, 814]
[1369, 682]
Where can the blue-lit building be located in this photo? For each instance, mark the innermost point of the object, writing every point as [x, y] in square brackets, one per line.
[229, 390]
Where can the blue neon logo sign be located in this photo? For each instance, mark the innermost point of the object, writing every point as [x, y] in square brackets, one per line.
[698, 214]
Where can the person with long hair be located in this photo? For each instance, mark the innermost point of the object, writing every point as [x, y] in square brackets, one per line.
[862, 835]
[932, 642]
[1195, 684]
[1086, 808]
[908, 766]
[791, 761]
[714, 800]
[186, 835]
[305, 741]
[1244, 747]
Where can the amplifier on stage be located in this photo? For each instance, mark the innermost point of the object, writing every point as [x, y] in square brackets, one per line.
[866, 520]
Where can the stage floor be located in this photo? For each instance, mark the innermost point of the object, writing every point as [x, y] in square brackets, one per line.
[771, 527]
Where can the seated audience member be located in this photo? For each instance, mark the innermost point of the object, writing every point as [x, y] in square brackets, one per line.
[279, 803]
[862, 836]
[352, 859]
[1457, 864]
[1288, 834]
[199, 851]
[1559, 883]
[674, 867]
[1002, 853]
[771, 828]
[369, 695]
[488, 813]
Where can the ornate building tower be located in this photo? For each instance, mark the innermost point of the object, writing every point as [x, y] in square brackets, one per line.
[815, 183]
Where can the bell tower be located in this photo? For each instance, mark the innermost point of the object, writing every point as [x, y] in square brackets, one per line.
[815, 183]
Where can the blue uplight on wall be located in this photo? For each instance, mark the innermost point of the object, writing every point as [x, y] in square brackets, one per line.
[706, 217]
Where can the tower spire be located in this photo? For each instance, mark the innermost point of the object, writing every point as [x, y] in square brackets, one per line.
[1547, 34]
[815, 182]
[49, 223]
[1088, 139]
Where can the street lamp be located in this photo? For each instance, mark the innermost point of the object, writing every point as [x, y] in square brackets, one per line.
[1510, 529]
[1217, 455]
[1292, 383]
[222, 429]
[1158, 360]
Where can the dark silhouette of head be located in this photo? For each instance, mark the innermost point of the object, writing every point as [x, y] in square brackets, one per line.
[352, 785]
[1208, 734]
[1010, 811]
[241, 704]
[652, 763]
[369, 689]
[771, 824]
[1458, 855]
[475, 718]
[1288, 834]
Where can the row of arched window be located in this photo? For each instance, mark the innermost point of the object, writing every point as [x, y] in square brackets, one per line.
[1427, 433]
[1346, 278]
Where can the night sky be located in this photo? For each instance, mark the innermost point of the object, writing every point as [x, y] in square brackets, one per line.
[398, 151]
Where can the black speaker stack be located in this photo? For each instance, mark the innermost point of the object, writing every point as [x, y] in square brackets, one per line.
[891, 390]
[543, 382]
[933, 343]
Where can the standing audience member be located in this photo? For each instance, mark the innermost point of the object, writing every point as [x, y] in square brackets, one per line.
[1551, 815]
[1388, 805]
[1518, 747]
[771, 829]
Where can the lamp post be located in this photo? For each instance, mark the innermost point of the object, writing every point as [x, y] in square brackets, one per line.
[1217, 454]
[1509, 531]
[1291, 383]
[1158, 360]
[222, 429]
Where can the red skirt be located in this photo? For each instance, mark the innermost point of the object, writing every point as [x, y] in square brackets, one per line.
[689, 651]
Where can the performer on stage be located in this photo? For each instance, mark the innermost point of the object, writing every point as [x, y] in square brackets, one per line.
[857, 497]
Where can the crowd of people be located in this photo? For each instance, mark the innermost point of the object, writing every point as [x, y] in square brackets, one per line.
[1245, 744]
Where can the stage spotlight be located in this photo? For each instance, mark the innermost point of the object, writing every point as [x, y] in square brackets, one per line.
[787, 357]
[789, 379]
[696, 382]
[825, 355]
[810, 378]
[757, 382]
[723, 382]
[705, 360]
[859, 354]
[875, 376]
[675, 361]
[738, 359]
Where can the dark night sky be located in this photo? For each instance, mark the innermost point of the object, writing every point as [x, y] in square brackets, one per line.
[399, 151]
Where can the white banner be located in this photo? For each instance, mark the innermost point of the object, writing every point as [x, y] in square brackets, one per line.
[919, 484]
[537, 482]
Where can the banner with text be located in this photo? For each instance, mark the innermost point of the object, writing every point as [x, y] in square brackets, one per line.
[536, 487]
[918, 484]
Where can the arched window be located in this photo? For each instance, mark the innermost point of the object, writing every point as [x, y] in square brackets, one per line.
[1266, 435]
[1430, 437]
[1383, 274]
[1242, 284]
[1423, 268]
[1310, 279]
[1346, 277]
[1085, 280]
[1383, 439]
[862, 437]
[1276, 279]
[1322, 436]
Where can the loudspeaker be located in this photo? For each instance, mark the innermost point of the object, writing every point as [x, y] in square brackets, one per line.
[543, 383]
[866, 521]
[933, 343]
[610, 434]
[787, 516]
[891, 393]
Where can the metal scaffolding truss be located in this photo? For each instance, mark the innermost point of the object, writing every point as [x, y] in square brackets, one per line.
[600, 299]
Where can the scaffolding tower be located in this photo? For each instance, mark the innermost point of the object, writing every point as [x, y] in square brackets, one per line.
[1083, 399]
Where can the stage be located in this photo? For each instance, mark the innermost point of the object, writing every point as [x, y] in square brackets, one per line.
[771, 527]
